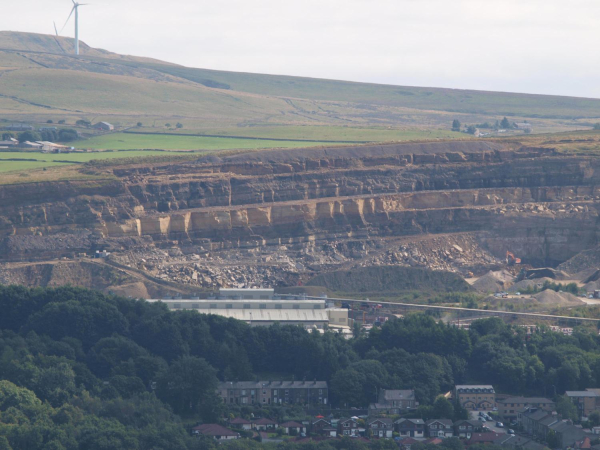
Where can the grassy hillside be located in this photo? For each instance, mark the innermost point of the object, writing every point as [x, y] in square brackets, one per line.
[422, 98]
[40, 79]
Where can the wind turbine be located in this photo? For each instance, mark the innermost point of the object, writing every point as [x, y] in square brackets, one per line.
[75, 8]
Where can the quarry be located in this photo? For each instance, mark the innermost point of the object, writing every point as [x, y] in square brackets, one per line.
[281, 217]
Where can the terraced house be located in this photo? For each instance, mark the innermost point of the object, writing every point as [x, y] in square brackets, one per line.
[274, 392]
[509, 408]
[475, 397]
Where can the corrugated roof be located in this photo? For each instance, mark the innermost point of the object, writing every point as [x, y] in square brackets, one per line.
[272, 315]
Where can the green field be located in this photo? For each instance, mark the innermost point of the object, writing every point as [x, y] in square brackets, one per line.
[336, 134]
[62, 159]
[126, 141]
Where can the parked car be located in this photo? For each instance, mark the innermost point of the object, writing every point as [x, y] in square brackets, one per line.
[494, 408]
[481, 413]
[511, 431]
[482, 419]
[487, 416]
[499, 424]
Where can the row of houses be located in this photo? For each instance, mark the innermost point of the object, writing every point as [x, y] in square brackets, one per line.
[305, 393]
[351, 427]
[540, 424]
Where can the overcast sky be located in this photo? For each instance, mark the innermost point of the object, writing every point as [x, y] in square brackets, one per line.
[535, 46]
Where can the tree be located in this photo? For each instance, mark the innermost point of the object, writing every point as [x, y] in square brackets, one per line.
[553, 440]
[471, 129]
[188, 385]
[29, 136]
[442, 408]
[597, 126]
[179, 125]
[594, 418]
[139, 124]
[566, 408]
[83, 123]
[49, 121]
[7, 135]
[168, 125]
[505, 123]
[455, 125]
[62, 121]
[67, 135]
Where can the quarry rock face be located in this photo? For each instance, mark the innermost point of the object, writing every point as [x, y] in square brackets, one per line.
[532, 201]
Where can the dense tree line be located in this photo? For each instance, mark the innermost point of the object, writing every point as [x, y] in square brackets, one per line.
[79, 366]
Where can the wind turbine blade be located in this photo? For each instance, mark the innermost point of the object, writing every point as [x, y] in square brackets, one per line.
[55, 30]
[67, 21]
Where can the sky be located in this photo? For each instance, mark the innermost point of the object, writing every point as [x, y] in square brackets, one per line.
[533, 46]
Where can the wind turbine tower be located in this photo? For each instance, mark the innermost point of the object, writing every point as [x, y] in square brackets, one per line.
[75, 9]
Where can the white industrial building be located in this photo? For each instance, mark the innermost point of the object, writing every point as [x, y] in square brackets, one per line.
[261, 307]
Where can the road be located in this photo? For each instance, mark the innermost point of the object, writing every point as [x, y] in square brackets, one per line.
[474, 415]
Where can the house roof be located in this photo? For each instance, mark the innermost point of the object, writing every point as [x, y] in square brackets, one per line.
[346, 420]
[584, 443]
[489, 436]
[474, 386]
[582, 394]
[537, 415]
[320, 420]
[433, 441]
[446, 422]
[239, 421]
[396, 394]
[291, 424]
[475, 423]
[415, 421]
[409, 441]
[273, 384]
[264, 421]
[382, 420]
[214, 429]
[524, 400]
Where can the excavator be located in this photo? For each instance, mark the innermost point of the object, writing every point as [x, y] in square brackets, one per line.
[511, 259]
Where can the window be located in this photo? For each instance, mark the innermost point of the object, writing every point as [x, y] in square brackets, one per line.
[296, 306]
[213, 306]
[320, 391]
[264, 400]
[228, 305]
[243, 391]
[246, 305]
[278, 306]
[287, 392]
[264, 297]
[317, 306]
[196, 305]
[176, 305]
[263, 306]
[275, 392]
[346, 424]
[252, 392]
[373, 425]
